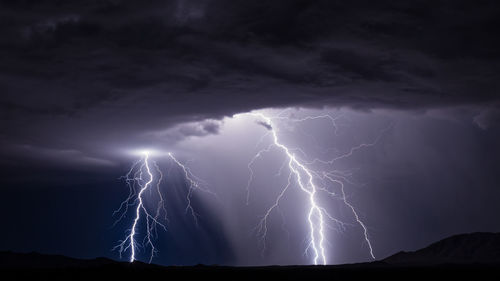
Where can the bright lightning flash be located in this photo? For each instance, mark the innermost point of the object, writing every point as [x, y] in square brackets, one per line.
[145, 175]
[312, 182]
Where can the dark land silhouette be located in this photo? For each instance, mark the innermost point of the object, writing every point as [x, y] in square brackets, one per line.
[460, 257]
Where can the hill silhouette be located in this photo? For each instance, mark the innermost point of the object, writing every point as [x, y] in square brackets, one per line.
[36, 260]
[477, 247]
[460, 257]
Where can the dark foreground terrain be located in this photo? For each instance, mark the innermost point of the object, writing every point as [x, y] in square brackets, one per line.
[462, 257]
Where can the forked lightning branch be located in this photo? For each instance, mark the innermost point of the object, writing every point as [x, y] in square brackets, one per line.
[314, 183]
[145, 177]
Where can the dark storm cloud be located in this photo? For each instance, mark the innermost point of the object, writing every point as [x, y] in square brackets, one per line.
[265, 125]
[488, 118]
[183, 131]
[116, 69]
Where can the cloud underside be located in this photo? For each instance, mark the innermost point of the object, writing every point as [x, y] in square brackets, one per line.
[121, 66]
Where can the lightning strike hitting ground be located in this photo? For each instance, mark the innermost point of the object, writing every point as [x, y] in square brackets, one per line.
[358, 220]
[142, 178]
[312, 182]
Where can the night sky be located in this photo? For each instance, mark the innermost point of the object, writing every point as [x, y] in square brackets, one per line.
[84, 85]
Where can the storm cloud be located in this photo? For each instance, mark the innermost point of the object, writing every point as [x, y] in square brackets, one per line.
[118, 69]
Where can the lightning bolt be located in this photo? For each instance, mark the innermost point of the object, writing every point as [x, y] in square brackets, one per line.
[308, 180]
[331, 176]
[194, 184]
[140, 175]
[140, 179]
